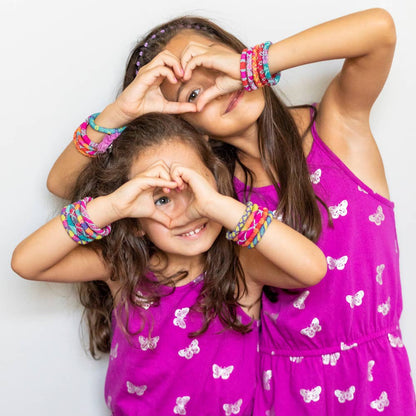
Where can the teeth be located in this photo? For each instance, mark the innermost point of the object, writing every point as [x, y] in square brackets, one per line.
[196, 231]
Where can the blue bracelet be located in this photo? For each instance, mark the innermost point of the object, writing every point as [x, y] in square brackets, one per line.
[91, 122]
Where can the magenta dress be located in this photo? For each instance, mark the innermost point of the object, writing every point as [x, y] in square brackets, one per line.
[162, 371]
[336, 348]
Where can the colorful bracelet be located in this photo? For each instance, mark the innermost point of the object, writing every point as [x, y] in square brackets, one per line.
[79, 225]
[271, 80]
[262, 230]
[91, 122]
[254, 67]
[231, 235]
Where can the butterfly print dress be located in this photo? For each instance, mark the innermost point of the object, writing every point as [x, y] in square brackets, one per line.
[336, 348]
[162, 371]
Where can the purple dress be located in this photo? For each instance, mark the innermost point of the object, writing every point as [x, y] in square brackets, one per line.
[162, 371]
[336, 348]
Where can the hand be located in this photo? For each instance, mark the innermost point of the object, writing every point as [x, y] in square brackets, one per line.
[143, 95]
[203, 188]
[225, 61]
[135, 199]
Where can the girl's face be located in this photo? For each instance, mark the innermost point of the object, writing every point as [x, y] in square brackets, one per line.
[190, 238]
[227, 116]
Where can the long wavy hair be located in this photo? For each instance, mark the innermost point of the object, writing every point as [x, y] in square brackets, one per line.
[280, 143]
[127, 253]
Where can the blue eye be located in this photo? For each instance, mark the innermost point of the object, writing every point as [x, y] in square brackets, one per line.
[162, 201]
[193, 95]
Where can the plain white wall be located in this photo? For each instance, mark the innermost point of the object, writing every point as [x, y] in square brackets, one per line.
[63, 61]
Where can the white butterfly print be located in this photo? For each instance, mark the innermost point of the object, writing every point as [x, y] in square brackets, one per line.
[311, 395]
[380, 268]
[370, 370]
[380, 403]
[299, 303]
[384, 308]
[189, 352]
[395, 342]
[132, 389]
[148, 343]
[108, 403]
[378, 216]
[311, 330]
[276, 216]
[355, 300]
[339, 210]
[343, 396]
[330, 359]
[267, 375]
[181, 402]
[113, 352]
[345, 347]
[180, 317]
[315, 177]
[233, 409]
[296, 360]
[338, 264]
[273, 316]
[140, 297]
[362, 190]
[222, 372]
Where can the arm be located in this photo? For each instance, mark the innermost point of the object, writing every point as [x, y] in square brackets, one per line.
[49, 254]
[142, 96]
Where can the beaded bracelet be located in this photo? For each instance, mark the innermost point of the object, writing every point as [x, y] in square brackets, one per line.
[272, 80]
[254, 68]
[231, 235]
[251, 227]
[91, 122]
[79, 225]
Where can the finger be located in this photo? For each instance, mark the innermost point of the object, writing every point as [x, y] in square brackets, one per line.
[160, 169]
[172, 107]
[159, 73]
[193, 49]
[162, 218]
[204, 60]
[166, 58]
[208, 95]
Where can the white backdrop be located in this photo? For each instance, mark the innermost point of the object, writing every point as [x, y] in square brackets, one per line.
[61, 61]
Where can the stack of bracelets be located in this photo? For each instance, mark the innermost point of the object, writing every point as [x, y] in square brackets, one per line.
[254, 68]
[86, 146]
[78, 224]
[251, 227]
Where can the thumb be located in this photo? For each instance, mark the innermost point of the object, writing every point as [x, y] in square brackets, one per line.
[162, 218]
[207, 96]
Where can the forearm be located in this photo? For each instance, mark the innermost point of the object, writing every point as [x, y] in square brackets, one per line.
[47, 247]
[351, 36]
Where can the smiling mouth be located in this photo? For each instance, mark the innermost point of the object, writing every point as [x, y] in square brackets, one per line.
[194, 231]
[235, 98]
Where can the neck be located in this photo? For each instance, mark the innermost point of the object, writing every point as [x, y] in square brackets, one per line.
[169, 264]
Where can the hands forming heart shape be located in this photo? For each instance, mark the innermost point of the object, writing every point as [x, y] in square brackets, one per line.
[144, 94]
[172, 195]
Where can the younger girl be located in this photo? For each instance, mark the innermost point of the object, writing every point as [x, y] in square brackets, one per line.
[336, 348]
[183, 330]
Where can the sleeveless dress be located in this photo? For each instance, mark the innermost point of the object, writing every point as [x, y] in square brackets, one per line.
[162, 371]
[336, 348]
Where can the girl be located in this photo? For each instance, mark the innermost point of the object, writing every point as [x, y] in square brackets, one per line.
[336, 348]
[176, 300]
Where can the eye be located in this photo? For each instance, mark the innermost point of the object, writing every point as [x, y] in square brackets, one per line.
[162, 201]
[194, 95]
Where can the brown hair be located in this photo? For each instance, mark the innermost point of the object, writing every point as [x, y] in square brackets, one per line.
[280, 143]
[127, 254]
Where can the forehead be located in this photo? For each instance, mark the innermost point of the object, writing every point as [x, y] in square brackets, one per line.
[180, 41]
[171, 152]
